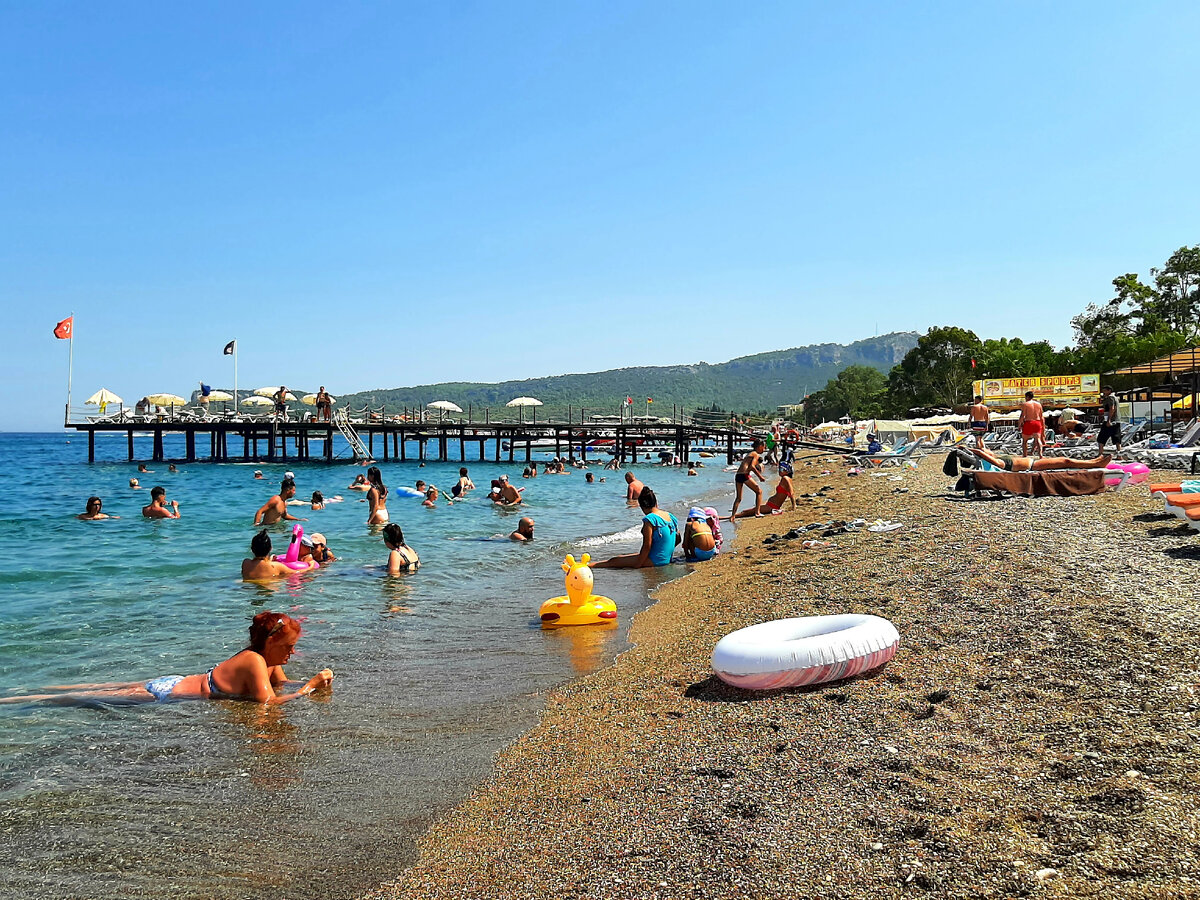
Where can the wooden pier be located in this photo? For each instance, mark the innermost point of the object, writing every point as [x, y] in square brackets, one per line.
[280, 441]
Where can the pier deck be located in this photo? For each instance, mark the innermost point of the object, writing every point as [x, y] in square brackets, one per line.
[277, 441]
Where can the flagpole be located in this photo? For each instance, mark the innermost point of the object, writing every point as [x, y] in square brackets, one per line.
[70, 370]
[235, 403]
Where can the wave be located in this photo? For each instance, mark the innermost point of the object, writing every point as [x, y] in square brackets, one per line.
[617, 537]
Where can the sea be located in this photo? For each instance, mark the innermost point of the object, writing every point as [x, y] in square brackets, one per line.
[321, 797]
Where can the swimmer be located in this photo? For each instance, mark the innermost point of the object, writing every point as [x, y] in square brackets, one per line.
[360, 483]
[93, 511]
[635, 488]
[401, 558]
[142, 470]
[275, 509]
[258, 475]
[420, 486]
[263, 567]
[133, 485]
[508, 493]
[431, 496]
[699, 543]
[589, 478]
[525, 474]
[253, 674]
[692, 469]
[377, 513]
[459, 491]
[171, 468]
[524, 530]
[751, 467]
[158, 505]
[660, 536]
[320, 548]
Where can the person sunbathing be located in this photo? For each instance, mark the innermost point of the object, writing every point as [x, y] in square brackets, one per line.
[1038, 463]
[252, 674]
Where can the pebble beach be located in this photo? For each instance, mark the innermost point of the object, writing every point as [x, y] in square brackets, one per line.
[1034, 735]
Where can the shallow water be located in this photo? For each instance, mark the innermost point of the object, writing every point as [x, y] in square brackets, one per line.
[318, 798]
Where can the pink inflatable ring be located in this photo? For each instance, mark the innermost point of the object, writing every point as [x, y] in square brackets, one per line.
[1138, 472]
[809, 650]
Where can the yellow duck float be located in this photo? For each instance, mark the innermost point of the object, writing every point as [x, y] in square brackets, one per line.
[580, 606]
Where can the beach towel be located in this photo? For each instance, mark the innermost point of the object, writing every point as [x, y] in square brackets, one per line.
[1054, 483]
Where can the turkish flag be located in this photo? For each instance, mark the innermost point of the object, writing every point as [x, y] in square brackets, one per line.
[64, 328]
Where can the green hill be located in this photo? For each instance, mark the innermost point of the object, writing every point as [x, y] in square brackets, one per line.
[759, 382]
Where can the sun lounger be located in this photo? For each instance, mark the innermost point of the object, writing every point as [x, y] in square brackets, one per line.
[1159, 490]
[1047, 483]
[898, 457]
[1179, 504]
[1193, 519]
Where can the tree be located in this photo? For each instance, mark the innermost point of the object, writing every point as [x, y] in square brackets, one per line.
[937, 372]
[857, 392]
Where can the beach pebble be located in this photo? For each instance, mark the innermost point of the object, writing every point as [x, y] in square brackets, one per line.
[1045, 874]
[877, 846]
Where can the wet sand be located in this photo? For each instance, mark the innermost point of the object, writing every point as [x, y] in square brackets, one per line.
[1035, 733]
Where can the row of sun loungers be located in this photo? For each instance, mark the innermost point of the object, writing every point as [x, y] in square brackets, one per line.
[1177, 502]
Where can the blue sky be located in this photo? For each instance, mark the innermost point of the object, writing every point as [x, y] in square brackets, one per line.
[371, 195]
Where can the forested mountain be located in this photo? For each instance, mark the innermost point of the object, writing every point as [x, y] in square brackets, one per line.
[759, 382]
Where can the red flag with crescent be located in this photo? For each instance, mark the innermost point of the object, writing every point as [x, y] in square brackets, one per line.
[64, 328]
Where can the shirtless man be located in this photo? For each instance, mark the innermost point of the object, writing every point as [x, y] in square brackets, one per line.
[981, 417]
[635, 488]
[508, 493]
[324, 404]
[1032, 424]
[1039, 463]
[158, 505]
[262, 567]
[751, 466]
[275, 509]
[524, 530]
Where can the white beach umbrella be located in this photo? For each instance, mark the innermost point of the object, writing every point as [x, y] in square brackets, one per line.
[270, 392]
[220, 396]
[101, 397]
[166, 400]
[257, 400]
[521, 403]
[1072, 411]
[446, 406]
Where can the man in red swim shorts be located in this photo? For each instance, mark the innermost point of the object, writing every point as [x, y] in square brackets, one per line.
[1033, 425]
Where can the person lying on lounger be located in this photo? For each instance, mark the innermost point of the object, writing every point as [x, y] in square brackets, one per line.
[1038, 463]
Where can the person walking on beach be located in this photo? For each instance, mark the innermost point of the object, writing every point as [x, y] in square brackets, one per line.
[634, 490]
[660, 537]
[1032, 423]
[275, 509]
[1110, 428]
[750, 468]
[981, 418]
[261, 567]
[377, 513]
[158, 505]
[324, 404]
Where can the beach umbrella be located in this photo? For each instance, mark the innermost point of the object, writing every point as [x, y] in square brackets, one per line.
[102, 397]
[166, 400]
[311, 399]
[446, 406]
[220, 396]
[521, 403]
[257, 400]
[270, 392]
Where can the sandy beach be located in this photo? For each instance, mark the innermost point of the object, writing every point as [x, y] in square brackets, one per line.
[1034, 735]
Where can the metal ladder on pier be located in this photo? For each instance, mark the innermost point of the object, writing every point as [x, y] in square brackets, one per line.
[342, 420]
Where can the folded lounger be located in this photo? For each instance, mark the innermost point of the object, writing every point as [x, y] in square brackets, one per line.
[1048, 483]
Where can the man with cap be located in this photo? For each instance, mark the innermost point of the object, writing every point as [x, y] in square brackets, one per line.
[320, 549]
[508, 493]
[699, 543]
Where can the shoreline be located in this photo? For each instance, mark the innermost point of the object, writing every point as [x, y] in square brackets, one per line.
[970, 765]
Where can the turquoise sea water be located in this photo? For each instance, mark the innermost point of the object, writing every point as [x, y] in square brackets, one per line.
[317, 798]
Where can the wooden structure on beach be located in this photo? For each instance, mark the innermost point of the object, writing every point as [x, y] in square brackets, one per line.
[283, 441]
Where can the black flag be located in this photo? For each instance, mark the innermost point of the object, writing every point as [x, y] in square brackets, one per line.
[229, 348]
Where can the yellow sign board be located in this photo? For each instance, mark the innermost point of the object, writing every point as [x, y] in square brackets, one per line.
[1052, 390]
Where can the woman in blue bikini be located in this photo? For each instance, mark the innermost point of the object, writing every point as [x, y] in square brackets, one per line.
[251, 674]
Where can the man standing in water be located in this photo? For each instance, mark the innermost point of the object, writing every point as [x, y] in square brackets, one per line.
[275, 509]
[751, 466]
[635, 488]
[524, 530]
[1032, 424]
[981, 416]
[158, 505]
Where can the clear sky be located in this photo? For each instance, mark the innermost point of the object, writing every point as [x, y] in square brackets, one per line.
[372, 195]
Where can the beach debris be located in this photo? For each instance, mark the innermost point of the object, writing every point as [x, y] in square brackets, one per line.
[879, 526]
[810, 545]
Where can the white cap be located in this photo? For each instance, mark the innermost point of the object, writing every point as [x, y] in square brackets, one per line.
[291, 475]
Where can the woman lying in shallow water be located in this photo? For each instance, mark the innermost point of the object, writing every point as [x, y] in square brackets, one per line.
[251, 674]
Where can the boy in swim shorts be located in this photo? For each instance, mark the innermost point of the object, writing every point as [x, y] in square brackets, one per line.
[980, 419]
[1033, 425]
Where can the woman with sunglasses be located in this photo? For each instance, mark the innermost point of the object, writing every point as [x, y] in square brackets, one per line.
[252, 674]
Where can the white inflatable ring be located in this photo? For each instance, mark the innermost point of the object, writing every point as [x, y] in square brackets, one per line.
[811, 650]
